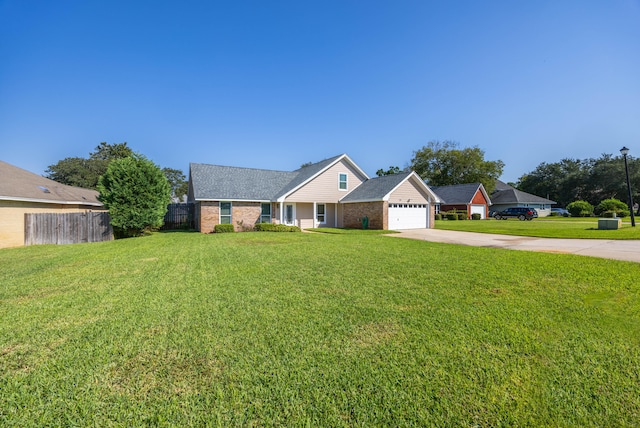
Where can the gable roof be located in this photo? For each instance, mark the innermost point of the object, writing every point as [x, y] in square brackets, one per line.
[309, 172]
[460, 193]
[17, 184]
[215, 182]
[506, 194]
[380, 188]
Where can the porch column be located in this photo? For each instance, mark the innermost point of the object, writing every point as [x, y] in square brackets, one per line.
[281, 213]
[314, 214]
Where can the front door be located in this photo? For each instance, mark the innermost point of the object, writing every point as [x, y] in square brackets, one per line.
[290, 214]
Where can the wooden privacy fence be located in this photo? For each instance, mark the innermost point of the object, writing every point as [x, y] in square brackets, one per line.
[179, 216]
[67, 228]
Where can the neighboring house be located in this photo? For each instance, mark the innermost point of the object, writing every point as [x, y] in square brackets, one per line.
[23, 192]
[332, 193]
[472, 198]
[506, 196]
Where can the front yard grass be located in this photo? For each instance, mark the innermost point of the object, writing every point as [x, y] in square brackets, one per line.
[543, 227]
[293, 329]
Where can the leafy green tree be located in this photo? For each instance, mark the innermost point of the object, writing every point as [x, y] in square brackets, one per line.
[443, 163]
[136, 192]
[178, 183]
[392, 170]
[108, 152]
[563, 181]
[76, 171]
[83, 172]
[580, 209]
[590, 180]
[612, 205]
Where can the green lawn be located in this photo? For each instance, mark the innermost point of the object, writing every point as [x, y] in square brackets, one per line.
[544, 227]
[305, 329]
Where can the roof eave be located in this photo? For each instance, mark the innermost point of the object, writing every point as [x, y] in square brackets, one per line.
[49, 201]
[231, 199]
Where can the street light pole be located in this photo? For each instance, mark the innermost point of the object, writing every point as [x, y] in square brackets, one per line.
[624, 152]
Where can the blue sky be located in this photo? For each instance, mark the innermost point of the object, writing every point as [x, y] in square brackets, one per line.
[274, 84]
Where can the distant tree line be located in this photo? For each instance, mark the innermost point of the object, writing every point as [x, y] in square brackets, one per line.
[591, 180]
[86, 172]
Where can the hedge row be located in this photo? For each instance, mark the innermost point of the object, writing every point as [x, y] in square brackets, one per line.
[271, 227]
[459, 215]
[260, 227]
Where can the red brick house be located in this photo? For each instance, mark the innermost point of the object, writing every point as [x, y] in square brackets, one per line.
[334, 192]
[471, 198]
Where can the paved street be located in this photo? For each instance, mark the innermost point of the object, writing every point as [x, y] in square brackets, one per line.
[628, 250]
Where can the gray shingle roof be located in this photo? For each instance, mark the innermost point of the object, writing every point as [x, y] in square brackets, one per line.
[215, 182]
[22, 185]
[516, 196]
[457, 193]
[375, 188]
[506, 194]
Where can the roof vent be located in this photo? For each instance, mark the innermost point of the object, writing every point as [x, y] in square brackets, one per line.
[44, 189]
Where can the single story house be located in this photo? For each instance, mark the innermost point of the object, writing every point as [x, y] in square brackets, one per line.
[471, 197]
[23, 192]
[334, 192]
[506, 196]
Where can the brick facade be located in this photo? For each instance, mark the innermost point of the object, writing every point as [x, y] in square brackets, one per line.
[432, 216]
[376, 211]
[209, 216]
[244, 215]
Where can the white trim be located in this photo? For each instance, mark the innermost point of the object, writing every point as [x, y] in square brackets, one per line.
[270, 212]
[315, 214]
[225, 200]
[360, 201]
[484, 193]
[346, 182]
[49, 201]
[293, 214]
[230, 212]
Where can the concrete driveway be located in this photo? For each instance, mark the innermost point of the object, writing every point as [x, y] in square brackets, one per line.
[628, 250]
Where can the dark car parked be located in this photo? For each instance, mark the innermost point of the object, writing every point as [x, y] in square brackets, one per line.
[519, 213]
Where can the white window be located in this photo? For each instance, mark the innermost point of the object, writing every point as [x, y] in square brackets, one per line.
[265, 213]
[225, 212]
[342, 181]
[321, 210]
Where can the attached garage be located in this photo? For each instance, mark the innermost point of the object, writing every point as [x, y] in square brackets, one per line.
[408, 216]
[479, 209]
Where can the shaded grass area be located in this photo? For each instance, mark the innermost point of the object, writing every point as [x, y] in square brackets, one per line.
[546, 227]
[314, 329]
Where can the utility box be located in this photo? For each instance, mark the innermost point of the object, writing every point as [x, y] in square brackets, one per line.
[609, 223]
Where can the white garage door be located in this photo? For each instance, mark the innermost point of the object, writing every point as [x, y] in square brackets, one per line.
[407, 216]
[478, 209]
